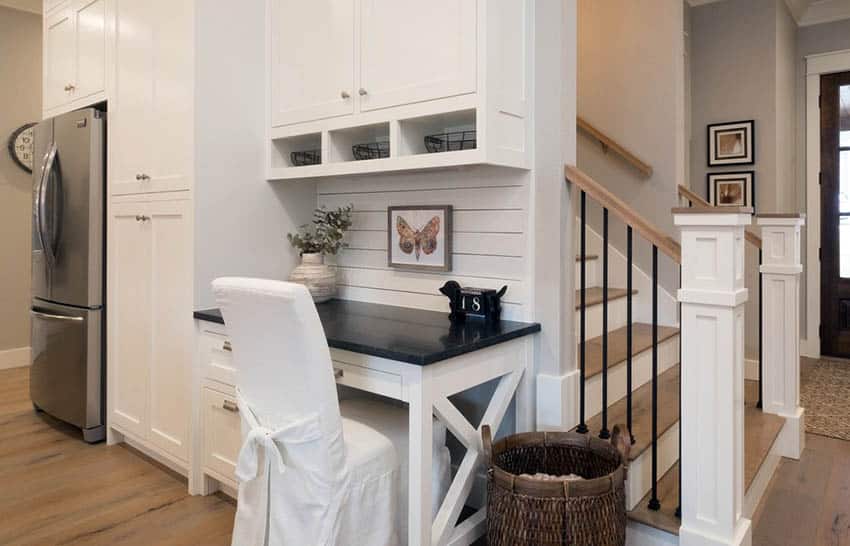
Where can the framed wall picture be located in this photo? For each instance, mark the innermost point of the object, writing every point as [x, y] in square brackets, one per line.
[732, 189]
[420, 237]
[731, 143]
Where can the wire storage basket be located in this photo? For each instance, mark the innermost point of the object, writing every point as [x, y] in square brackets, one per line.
[525, 508]
[451, 142]
[371, 150]
[306, 157]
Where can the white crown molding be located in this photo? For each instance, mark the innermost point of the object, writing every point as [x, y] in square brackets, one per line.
[30, 6]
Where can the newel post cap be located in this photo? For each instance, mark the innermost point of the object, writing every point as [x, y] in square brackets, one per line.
[793, 219]
[712, 216]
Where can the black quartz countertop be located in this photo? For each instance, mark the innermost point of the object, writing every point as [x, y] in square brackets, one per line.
[403, 334]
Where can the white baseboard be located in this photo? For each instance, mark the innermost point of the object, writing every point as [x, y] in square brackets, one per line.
[14, 358]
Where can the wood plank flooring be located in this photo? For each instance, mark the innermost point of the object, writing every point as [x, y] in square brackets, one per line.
[56, 489]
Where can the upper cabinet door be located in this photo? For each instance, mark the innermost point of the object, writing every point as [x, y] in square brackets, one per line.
[130, 103]
[312, 60]
[413, 51]
[58, 58]
[90, 22]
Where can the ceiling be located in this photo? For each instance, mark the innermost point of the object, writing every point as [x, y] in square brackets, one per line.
[806, 12]
[32, 6]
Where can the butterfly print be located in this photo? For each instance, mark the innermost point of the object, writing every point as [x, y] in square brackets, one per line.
[423, 240]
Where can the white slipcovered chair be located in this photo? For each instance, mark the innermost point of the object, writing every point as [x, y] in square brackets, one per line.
[312, 470]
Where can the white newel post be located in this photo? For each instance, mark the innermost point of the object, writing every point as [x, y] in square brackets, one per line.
[781, 269]
[712, 337]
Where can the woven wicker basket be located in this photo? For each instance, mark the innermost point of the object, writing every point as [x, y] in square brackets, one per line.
[531, 511]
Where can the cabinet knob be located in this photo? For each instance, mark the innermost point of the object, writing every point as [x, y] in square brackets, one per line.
[142, 177]
[226, 346]
[142, 218]
[70, 87]
[344, 94]
[362, 92]
[229, 405]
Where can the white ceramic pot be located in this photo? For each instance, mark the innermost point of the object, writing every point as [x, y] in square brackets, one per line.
[320, 279]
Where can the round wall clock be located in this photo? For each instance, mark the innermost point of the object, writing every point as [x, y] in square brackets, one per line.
[21, 146]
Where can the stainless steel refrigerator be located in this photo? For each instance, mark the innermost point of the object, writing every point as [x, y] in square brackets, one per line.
[67, 376]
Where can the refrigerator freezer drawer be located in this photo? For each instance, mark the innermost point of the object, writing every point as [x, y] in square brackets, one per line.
[66, 377]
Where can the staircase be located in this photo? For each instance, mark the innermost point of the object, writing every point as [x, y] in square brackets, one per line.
[628, 352]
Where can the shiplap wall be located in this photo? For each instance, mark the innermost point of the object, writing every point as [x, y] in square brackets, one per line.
[489, 245]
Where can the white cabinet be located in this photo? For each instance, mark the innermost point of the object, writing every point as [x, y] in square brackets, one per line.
[413, 51]
[150, 330]
[222, 435]
[151, 110]
[313, 45]
[75, 53]
[399, 75]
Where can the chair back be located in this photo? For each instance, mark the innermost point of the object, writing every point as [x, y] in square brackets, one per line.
[281, 355]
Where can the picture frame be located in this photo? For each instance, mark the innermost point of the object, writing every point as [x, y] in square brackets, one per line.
[731, 143]
[419, 238]
[731, 189]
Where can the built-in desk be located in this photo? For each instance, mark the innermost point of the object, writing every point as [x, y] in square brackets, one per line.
[415, 356]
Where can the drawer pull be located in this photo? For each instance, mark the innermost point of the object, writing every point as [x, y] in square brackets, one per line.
[338, 373]
[230, 406]
[226, 346]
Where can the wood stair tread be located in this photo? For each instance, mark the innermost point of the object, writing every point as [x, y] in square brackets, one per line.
[668, 411]
[617, 341]
[760, 432]
[668, 494]
[593, 295]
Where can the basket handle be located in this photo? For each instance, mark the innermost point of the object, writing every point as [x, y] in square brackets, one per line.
[487, 444]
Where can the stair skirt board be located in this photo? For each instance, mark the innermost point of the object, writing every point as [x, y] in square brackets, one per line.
[638, 534]
[668, 356]
[593, 317]
[640, 470]
[758, 487]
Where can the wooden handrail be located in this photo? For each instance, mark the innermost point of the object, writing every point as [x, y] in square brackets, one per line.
[627, 214]
[698, 201]
[609, 143]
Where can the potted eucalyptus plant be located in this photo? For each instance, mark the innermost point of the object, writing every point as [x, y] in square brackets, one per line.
[316, 240]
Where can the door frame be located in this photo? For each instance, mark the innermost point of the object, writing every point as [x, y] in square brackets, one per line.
[816, 66]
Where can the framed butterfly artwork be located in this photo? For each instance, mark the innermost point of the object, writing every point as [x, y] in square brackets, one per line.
[420, 237]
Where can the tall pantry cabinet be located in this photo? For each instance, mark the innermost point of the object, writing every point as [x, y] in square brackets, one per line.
[150, 228]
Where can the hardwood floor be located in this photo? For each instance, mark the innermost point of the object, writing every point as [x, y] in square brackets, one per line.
[58, 490]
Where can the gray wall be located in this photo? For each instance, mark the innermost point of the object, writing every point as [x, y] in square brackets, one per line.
[20, 102]
[241, 220]
[631, 86]
[742, 67]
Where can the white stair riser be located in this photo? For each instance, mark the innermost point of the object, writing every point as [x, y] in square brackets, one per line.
[593, 275]
[593, 318]
[640, 470]
[668, 356]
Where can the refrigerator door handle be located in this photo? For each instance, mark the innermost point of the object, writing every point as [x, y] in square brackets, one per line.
[48, 316]
[49, 239]
[39, 198]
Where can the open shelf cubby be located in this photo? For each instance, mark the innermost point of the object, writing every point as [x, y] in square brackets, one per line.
[342, 141]
[292, 151]
[459, 128]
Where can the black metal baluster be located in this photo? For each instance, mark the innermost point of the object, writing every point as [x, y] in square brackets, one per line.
[629, 333]
[654, 504]
[582, 426]
[604, 433]
[761, 318]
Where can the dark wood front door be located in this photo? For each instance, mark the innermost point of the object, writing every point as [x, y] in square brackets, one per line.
[835, 214]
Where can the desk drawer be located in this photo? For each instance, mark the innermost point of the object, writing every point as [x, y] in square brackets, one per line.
[217, 358]
[222, 433]
[366, 379]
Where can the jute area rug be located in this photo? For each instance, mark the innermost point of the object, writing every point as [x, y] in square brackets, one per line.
[825, 394]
